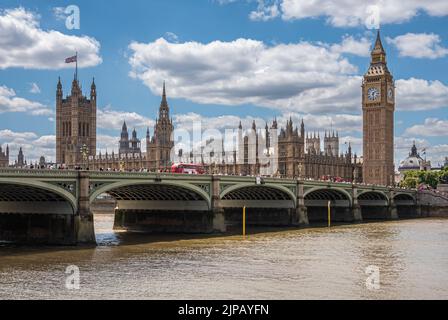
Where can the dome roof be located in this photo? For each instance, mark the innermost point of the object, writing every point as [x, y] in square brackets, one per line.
[411, 163]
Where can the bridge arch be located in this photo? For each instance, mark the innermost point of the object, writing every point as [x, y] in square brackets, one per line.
[372, 195]
[404, 196]
[267, 204]
[19, 190]
[316, 202]
[36, 212]
[138, 190]
[323, 193]
[374, 204]
[258, 192]
[406, 205]
[159, 206]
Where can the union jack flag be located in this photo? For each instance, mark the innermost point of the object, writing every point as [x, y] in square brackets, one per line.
[71, 59]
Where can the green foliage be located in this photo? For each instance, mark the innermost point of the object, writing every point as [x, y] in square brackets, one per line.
[414, 178]
[409, 182]
[443, 178]
[431, 178]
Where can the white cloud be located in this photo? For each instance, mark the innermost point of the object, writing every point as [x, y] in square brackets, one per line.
[419, 45]
[432, 127]
[351, 45]
[297, 76]
[186, 121]
[24, 44]
[403, 143]
[107, 143]
[9, 102]
[300, 77]
[355, 143]
[351, 13]
[34, 88]
[8, 135]
[437, 154]
[418, 94]
[113, 119]
[346, 13]
[266, 10]
[33, 145]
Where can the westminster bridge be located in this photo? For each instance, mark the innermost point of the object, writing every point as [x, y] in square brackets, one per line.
[53, 206]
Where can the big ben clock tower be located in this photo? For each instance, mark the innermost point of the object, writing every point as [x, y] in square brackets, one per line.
[378, 106]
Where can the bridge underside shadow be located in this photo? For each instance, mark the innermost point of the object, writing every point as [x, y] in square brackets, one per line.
[406, 207]
[316, 203]
[374, 206]
[265, 206]
[34, 215]
[161, 209]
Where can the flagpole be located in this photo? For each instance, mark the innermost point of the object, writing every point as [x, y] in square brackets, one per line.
[76, 70]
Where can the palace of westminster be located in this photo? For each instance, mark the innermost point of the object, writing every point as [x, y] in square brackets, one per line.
[299, 153]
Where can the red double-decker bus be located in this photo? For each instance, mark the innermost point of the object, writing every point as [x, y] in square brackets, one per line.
[187, 168]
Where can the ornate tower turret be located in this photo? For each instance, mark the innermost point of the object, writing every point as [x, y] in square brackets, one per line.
[20, 158]
[331, 144]
[378, 105]
[93, 89]
[302, 130]
[59, 90]
[75, 125]
[135, 143]
[274, 123]
[159, 150]
[124, 139]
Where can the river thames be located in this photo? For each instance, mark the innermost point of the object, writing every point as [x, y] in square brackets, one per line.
[411, 257]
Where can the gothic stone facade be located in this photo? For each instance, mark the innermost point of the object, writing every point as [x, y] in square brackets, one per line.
[4, 157]
[298, 155]
[75, 125]
[378, 106]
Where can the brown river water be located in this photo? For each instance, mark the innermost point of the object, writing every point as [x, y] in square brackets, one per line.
[410, 258]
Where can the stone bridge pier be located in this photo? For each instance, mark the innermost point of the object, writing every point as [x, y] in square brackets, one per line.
[83, 220]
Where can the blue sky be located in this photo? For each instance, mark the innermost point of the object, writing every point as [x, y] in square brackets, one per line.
[223, 60]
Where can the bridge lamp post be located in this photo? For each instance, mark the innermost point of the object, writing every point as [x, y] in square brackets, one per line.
[300, 167]
[85, 152]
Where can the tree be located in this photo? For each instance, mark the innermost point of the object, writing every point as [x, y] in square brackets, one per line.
[429, 178]
[443, 177]
[409, 182]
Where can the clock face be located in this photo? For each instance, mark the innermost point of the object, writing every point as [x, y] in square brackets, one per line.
[390, 93]
[373, 94]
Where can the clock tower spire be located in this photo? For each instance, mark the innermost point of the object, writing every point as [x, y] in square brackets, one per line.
[378, 106]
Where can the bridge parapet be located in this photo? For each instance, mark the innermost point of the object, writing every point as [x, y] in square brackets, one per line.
[11, 172]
